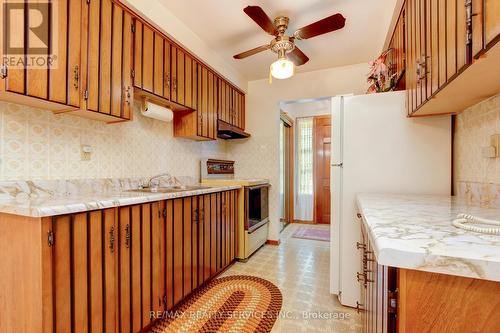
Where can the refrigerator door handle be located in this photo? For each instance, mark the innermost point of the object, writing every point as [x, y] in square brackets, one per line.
[338, 165]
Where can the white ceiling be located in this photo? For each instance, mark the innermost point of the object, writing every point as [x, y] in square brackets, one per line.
[228, 30]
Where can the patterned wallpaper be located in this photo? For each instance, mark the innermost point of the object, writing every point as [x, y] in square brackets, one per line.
[36, 144]
[476, 177]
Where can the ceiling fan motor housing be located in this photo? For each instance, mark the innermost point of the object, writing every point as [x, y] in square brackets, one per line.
[282, 44]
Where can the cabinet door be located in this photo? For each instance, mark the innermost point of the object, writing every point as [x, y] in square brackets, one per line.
[135, 269]
[201, 239]
[203, 102]
[106, 61]
[146, 263]
[177, 250]
[434, 38]
[194, 84]
[214, 217]
[137, 53]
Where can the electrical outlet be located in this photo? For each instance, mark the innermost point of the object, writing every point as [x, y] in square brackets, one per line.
[495, 142]
[86, 153]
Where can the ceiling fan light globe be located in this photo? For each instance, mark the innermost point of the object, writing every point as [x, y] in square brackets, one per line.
[282, 69]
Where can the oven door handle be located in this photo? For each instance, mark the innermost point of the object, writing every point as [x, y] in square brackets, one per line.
[255, 187]
[258, 225]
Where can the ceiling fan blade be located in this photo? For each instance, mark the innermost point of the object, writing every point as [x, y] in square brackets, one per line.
[252, 52]
[321, 27]
[297, 57]
[260, 17]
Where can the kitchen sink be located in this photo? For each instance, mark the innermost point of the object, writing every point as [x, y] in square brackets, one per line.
[169, 189]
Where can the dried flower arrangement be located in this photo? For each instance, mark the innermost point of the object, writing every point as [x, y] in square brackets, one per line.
[380, 77]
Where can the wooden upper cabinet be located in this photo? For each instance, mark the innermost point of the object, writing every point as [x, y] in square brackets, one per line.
[396, 58]
[107, 69]
[55, 82]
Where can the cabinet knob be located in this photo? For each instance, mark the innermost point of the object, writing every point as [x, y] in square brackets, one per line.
[167, 80]
[360, 246]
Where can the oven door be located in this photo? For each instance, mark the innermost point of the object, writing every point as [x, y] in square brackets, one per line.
[256, 206]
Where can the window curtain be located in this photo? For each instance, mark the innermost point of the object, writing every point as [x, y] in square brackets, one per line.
[304, 198]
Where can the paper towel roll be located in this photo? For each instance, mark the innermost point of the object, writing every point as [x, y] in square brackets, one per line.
[155, 111]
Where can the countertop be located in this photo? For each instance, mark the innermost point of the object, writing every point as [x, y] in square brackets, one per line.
[415, 232]
[40, 199]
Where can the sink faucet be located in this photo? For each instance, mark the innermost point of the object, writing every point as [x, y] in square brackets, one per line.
[158, 177]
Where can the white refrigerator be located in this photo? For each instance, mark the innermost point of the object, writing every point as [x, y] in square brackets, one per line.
[377, 148]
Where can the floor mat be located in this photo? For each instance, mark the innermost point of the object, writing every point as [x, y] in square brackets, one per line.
[239, 303]
[312, 233]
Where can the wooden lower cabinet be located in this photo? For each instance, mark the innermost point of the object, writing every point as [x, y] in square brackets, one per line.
[112, 270]
[405, 300]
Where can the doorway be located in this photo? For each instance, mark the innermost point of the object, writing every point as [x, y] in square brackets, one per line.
[286, 170]
[322, 148]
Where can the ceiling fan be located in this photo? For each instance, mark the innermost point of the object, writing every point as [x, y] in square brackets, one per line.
[283, 45]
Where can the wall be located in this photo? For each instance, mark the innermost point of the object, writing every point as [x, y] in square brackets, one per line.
[476, 177]
[36, 144]
[258, 156]
[168, 23]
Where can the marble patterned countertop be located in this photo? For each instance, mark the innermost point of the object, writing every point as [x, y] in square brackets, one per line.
[57, 197]
[415, 232]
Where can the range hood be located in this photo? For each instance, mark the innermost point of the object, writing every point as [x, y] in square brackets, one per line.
[227, 131]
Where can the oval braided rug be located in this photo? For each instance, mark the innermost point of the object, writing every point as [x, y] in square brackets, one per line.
[238, 303]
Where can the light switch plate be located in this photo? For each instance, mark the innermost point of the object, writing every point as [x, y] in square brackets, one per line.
[86, 152]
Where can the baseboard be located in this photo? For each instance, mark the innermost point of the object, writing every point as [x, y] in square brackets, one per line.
[273, 242]
[303, 222]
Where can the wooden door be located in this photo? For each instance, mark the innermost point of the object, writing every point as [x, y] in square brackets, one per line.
[322, 146]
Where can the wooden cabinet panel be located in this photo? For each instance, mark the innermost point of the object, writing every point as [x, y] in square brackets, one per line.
[194, 84]
[37, 79]
[188, 81]
[477, 28]
[434, 37]
[146, 262]
[177, 250]
[127, 64]
[137, 53]
[158, 64]
[180, 78]
[491, 21]
[157, 257]
[214, 219]
[451, 38]
[105, 45]
[96, 270]
[461, 37]
[147, 58]
[135, 269]
[124, 281]
[110, 294]
[187, 245]
[206, 235]
[62, 274]
[79, 267]
[173, 73]
[204, 117]
[169, 254]
[194, 242]
[166, 69]
[116, 59]
[210, 108]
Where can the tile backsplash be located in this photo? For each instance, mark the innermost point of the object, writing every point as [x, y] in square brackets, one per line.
[477, 178]
[37, 144]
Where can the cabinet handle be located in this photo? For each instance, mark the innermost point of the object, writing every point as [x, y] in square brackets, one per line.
[359, 215]
[165, 300]
[167, 79]
[76, 77]
[112, 239]
[196, 216]
[127, 236]
[174, 83]
[360, 246]
[359, 307]
[360, 276]
[127, 95]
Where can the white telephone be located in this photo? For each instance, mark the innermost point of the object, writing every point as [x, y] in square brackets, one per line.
[465, 221]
